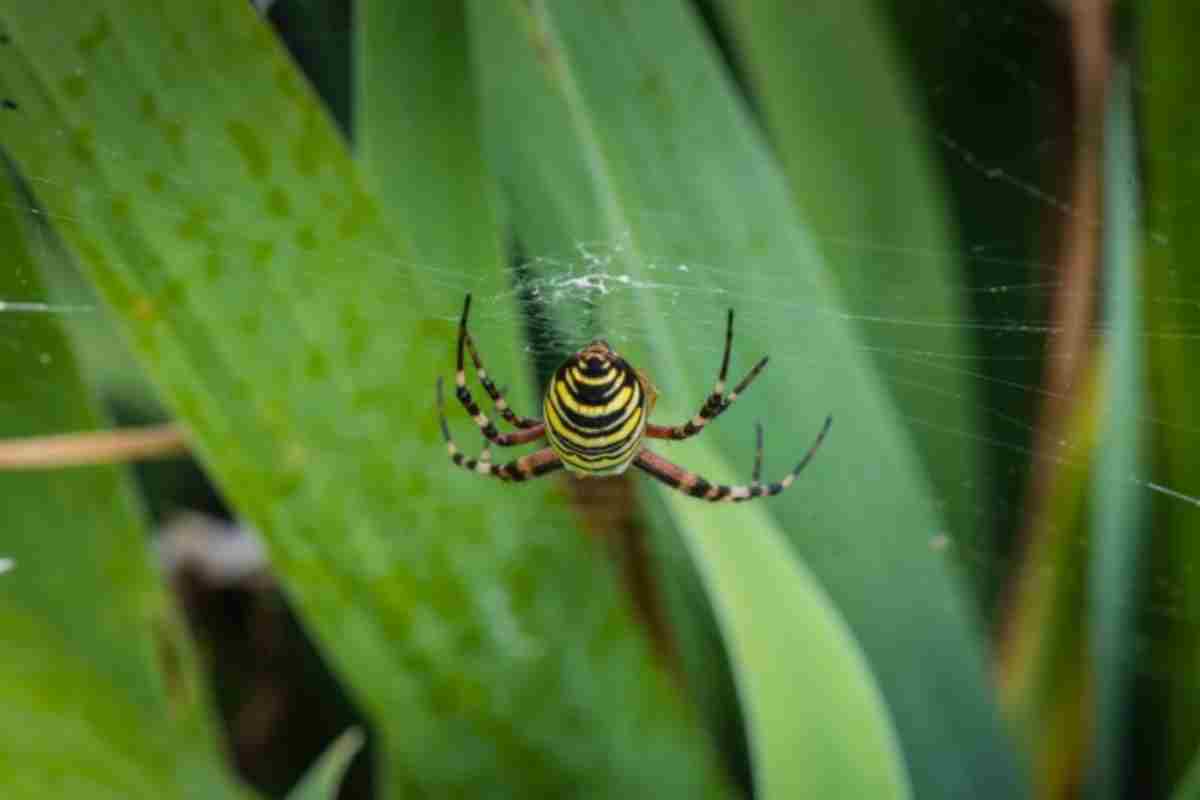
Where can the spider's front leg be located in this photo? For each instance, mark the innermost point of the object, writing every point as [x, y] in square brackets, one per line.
[531, 428]
[460, 377]
[717, 402]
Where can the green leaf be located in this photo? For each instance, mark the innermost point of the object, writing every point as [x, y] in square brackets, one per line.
[1169, 62]
[99, 695]
[323, 778]
[293, 326]
[851, 142]
[817, 723]
[1117, 501]
[613, 123]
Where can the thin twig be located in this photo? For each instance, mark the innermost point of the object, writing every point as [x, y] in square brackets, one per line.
[93, 447]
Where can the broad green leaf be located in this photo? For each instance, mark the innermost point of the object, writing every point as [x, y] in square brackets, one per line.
[613, 123]
[322, 780]
[788, 643]
[296, 330]
[1117, 501]
[99, 695]
[850, 141]
[1170, 62]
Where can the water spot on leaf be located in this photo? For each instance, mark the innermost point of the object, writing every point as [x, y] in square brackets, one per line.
[285, 483]
[306, 238]
[356, 330]
[188, 405]
[92, 255]
[172, 294]
[305, 155]
[11, 105]
[431, 329]
[214, 264]
[295, 456]
[261, 37]
[120, 206]
[285, 79]
[417, 485]
[146, 340]
[248, 144]
[75, 86]
[195, 224]
[316, 365]
[144, 310]
[277, 203]
[759, 242]
[653, 85]
[306, 149]
[96, 36]
[358, 214]
[261, 253]
[83, 146]
[148, 106]
[250, 324]
[171, 666]
[173, 132]
[216, 17]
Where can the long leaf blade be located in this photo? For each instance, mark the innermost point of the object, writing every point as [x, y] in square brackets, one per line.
[645, 147]
[297, 335]
[99, 695]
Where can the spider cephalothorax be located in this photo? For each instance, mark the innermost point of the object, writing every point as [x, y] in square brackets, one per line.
[596, 410]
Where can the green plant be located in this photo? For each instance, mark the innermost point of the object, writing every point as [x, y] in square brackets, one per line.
[291, 299]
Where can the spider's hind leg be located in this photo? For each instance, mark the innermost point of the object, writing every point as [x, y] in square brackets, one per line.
[697, 486]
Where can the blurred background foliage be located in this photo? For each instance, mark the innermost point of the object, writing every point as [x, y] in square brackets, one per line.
[963, 229]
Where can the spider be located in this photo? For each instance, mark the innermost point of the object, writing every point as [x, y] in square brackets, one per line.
[595, 422]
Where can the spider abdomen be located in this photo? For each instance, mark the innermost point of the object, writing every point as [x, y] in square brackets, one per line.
[595, 412]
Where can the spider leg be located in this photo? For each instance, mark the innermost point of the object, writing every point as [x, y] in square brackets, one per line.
[529, 466]
[497, 395]
[717, 402]
[485, 455]
[696, 486]
[756, 477]
[486, 426]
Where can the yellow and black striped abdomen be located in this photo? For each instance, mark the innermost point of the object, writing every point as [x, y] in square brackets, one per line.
[595, 412]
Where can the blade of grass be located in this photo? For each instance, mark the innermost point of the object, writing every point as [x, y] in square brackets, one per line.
[297, 335]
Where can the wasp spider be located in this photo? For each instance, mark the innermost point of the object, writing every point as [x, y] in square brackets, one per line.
[596, 423]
